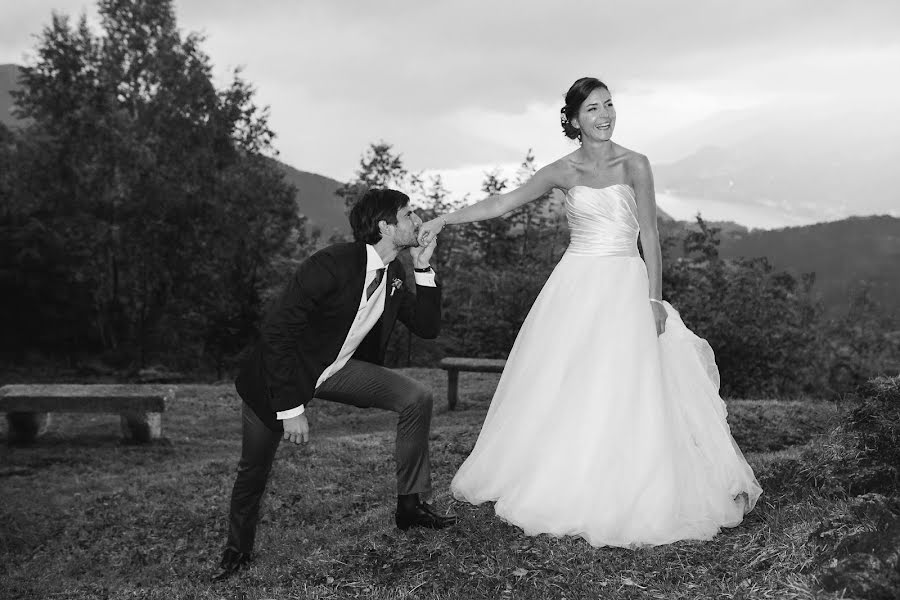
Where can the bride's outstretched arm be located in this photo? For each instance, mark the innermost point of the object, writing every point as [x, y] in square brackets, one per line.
[645, 198]
[494, 205]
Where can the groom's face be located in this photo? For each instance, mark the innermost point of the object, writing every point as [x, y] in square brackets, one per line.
[406, 231]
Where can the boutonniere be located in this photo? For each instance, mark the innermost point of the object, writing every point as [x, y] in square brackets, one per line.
[396, 284]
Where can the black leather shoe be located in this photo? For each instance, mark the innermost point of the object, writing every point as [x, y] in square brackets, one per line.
[232, 561]
[422, 516]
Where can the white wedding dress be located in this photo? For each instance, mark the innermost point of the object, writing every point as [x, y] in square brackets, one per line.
[599, 428]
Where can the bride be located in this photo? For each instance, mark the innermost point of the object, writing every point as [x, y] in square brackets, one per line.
[607, 422]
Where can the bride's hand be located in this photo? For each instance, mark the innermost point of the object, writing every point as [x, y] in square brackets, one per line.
[428, 231]
[659, 317]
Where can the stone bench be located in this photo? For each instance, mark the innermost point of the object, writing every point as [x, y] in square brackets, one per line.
[139, 406]
[453, 365]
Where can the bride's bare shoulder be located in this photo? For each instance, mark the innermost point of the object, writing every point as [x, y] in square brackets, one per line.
[563, 172]
[637, 165]
[628, 156]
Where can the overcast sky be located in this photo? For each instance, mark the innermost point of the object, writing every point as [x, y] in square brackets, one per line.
[460, 87]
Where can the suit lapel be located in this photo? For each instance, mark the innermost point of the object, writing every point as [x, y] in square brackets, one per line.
[352, 271]
[391, 301]
[358, 272]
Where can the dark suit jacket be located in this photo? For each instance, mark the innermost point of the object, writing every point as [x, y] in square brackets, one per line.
[305, 328]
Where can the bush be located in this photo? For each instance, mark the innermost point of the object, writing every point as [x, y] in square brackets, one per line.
[854, 466]
[761, 322]
[875, 420]
[859, 548]
[859, 456]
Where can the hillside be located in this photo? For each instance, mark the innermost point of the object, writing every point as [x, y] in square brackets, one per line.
[843, 254]
[316, 199]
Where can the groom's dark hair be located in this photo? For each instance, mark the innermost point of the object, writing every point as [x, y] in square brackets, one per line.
[374, 206]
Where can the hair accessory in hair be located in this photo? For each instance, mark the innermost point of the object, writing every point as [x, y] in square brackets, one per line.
[562, 116]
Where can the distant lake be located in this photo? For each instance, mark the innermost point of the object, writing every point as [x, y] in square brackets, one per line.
[750, 215]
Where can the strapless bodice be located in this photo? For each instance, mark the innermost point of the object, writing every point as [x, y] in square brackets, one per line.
[602, 221]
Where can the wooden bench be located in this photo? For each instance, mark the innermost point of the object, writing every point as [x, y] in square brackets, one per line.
[139, 406]
[453, 365]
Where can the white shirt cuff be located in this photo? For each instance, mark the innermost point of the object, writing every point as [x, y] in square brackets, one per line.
[426, 279]
[290, 414]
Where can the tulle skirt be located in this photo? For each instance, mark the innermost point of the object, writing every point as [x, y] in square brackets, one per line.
[601, 429]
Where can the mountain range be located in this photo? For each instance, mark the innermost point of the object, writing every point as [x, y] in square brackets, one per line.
[845, 256]
[318, 201]
[844, 253]
[800, 166]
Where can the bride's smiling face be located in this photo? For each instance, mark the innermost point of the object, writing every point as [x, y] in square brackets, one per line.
[596, 116]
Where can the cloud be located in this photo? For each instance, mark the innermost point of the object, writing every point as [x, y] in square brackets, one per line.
[465, 85]
[418, 58]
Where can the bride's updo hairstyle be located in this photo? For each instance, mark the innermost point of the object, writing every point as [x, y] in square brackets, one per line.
[577, 94]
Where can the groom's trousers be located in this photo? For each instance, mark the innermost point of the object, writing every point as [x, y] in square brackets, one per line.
[360, 384]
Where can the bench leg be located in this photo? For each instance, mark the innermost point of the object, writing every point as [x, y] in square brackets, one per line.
[141, 427]
[25, 427]
[452, 388]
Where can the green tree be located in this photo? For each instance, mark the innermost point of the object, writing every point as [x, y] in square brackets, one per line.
[860, 344]
[489, 241]
[531, 221]
[153, 181]
[761, 323]
[437, 200]
[379, 167]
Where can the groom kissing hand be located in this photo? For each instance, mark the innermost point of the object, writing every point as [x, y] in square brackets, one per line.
[296, 429]
[325, 337]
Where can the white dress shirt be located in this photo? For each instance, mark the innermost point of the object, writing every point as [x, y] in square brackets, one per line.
[367, 315]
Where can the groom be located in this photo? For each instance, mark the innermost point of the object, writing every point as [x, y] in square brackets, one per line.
[326, 337]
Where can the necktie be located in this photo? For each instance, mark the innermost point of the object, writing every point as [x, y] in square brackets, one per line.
[375, 282]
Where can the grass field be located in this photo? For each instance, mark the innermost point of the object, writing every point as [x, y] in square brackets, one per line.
[84, 516]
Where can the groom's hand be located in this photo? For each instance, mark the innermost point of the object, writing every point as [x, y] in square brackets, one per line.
[296, 429]
[421, 255]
